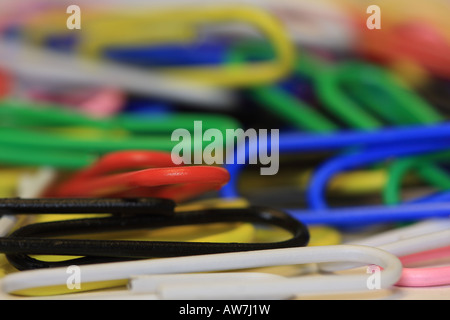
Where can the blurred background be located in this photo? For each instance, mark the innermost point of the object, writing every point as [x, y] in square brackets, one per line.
[88, 87]
[122, 75]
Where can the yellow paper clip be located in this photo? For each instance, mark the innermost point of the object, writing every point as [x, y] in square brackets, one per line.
[181, 25]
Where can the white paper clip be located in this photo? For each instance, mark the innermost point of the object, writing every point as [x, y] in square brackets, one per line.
[229, 288]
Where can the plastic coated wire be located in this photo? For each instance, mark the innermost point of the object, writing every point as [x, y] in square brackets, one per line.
[183, 22]
[23, 144]
[362, 215]
[338, 85]
[20, 282]
[45, 157]
[290, 108]
[68, 70]
[371, 156]
[335, 100]
[435, 197]
[413, 244]
[242, 232]
[374, 87]
[31, 239]
[368, 215]
[430, 206]
[23, 113]
[379, 91]
[408, 107]
[370, 85]
[300, 142]
[423, 240]
[433, 174]
[120, 174]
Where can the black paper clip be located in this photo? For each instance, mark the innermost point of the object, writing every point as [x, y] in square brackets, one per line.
[128, 214]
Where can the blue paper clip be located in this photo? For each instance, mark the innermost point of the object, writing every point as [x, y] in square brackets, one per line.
[377, 154]
[361, 148]
[429, 138]
[200, 53]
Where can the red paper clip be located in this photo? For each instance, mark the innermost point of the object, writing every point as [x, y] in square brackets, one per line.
[413, 41]
[155, 175]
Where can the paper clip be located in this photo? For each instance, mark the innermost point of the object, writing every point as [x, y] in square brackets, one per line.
[133, 214]
[423, 208]
[291, 109]
[29, 132]
[72, 70]
[405, 107]
[180, 24]
[198, 53]
[262, 288]
[430, 173]
[346, 90]
[28, 185]
[425, 239]
[410, 40]
[298, 113]
[23, 113]
[412, 139]
[239, 232]
[373, 146]
[149, 174]
[97, 103]
[370, 85]
[358, 159]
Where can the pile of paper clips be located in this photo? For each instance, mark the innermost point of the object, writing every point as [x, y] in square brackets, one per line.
[95, 205]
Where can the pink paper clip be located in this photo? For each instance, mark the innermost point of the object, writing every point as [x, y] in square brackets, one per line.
[425, 277]
[97, 103]
[424, 241]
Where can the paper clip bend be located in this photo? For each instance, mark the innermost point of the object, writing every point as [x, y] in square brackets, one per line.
[155, 175]
[180, 24]
[269, 288]
[370, 85]
[31, 239]
[413, 243]
[426, 170]
[413, 140]
[358, 159]
[70, 70]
